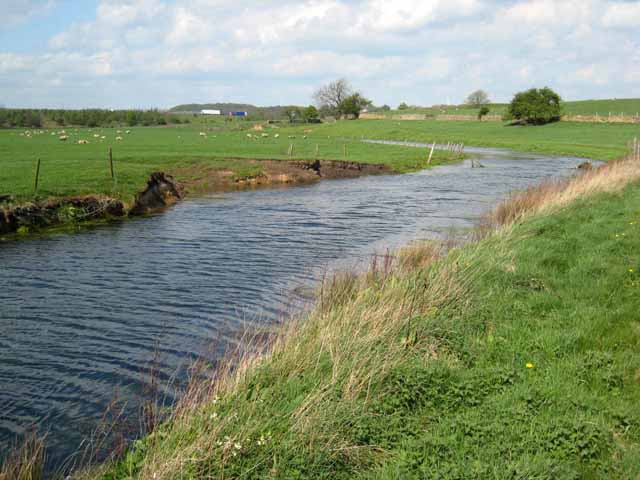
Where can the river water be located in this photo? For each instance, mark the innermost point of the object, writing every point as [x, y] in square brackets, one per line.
[82, 314]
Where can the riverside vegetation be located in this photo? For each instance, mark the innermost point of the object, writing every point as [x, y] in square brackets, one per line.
[510, 357]
[514, 356]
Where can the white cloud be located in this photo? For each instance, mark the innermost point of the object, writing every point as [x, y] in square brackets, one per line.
[622, 14]
[277, 51]
[15, 12]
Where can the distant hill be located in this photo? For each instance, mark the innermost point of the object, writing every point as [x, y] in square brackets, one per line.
[274, 112]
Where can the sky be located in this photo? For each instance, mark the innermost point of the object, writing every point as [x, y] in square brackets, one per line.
[160, 53]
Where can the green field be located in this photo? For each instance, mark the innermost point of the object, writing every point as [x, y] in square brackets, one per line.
[624, 106]
[597, 141]
[68, 168]
[512, 358]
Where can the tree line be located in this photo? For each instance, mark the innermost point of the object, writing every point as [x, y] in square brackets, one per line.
[39, 118]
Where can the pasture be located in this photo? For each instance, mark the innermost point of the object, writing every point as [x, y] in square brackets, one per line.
[69, 168]
[628, 107]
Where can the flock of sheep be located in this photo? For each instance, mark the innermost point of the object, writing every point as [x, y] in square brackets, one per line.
[63, 136]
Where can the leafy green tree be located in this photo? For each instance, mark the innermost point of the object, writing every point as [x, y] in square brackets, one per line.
[385, 108]
[483, 112]
[310, 113]
[293, 114]
[535, 106]
[403, 106]
[353, 104]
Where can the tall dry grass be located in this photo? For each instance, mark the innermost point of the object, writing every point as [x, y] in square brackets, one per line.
[26, 460]
[554, 194]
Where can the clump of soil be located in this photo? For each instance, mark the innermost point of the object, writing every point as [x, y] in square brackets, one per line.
[162, 191]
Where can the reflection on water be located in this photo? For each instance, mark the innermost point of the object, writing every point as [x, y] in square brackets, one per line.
[80, 315]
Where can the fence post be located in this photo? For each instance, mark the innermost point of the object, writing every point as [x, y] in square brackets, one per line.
[431, 153]
[113, 175]
[37, 176]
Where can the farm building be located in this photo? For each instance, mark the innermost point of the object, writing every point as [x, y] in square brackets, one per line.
[210, 112]
[238, 114]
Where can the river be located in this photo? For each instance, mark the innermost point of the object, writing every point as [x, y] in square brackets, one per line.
[82, 314]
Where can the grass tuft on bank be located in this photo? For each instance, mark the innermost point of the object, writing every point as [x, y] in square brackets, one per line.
[511, 357]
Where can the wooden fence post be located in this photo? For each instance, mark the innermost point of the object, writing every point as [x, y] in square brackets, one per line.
[37, 176]
[431, 153]
[113, 175]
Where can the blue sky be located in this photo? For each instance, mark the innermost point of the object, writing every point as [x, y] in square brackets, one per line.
[158, 53]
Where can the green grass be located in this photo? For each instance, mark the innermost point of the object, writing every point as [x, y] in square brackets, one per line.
[71, 169]
[625, 106]
[513, 358]
[590, 140]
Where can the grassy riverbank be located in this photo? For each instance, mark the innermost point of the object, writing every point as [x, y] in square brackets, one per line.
[69, 168]
[511, 357]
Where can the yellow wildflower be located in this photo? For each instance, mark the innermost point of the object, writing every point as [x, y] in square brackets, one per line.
[529, 365]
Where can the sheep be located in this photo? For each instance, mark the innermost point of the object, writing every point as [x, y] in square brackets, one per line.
[83, 142]
[119, 132]
[96, 135]
[63, 138]
[128, 132]
[203, 134]
[292, 136]
[277, 135]
[249, 135]
[118, 139]
[103, 137]
[265, 135]
[304, 137]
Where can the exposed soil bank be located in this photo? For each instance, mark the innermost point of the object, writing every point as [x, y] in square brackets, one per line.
[163, 191]
[207, 178]
[27, 217]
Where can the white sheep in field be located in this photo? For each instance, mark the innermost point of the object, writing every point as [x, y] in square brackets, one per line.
[96, 135]
[304, 137]
[118, 139]
[292, 136]
[83, 142]
[118, 132]
[128, 132]
[277, 135]
[63, 138]
[203, 134]
[103, 137]
[265, 135]
[249, 135]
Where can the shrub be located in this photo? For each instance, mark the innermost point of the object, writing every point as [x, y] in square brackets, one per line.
[535, 106]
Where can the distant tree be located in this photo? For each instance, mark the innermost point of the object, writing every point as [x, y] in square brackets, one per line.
[293, 113]
[477, 98]
[535, 106]
[483, 112]
[403, 106]
[310, 113]
[329, 97]
[354, 104]
[385, 108]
